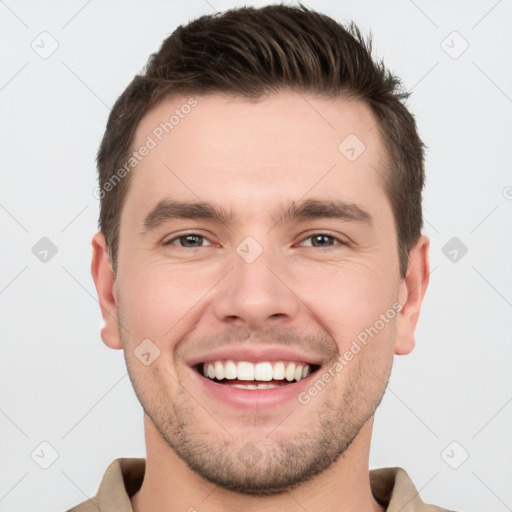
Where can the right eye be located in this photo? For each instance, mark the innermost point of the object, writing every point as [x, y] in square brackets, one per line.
[188, 241]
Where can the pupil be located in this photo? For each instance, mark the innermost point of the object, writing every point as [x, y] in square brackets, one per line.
[321, 238]
[192, 238]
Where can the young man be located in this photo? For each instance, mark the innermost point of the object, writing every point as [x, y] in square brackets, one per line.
[260, 262]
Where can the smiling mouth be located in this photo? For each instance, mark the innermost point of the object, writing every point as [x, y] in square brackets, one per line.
[261, 375]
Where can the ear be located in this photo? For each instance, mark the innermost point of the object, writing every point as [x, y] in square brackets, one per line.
[412, 291]
[105, 283]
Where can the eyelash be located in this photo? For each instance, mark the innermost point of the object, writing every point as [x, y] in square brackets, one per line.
[319, 233]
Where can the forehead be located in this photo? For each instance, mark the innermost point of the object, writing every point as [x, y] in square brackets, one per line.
[230, 150]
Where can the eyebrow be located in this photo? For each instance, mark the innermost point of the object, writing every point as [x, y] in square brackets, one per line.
[167, 209]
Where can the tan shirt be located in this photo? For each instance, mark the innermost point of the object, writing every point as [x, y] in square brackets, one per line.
[391, 487]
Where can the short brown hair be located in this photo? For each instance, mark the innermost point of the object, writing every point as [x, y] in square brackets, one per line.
[250, 52]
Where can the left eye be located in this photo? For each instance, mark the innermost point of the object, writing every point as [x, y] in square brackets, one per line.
[323, 240]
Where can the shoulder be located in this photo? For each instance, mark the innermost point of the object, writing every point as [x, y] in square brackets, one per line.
[121, 480]
[393, 488]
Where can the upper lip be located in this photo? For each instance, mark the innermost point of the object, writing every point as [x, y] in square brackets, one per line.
[255, 354]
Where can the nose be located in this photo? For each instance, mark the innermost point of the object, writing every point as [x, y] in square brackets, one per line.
[255, 294]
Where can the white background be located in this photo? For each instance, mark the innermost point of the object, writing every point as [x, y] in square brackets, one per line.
[60, 384]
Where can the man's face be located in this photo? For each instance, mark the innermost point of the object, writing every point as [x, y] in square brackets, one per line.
[307, 286]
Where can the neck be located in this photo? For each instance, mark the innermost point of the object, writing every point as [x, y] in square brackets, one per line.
[169, 484]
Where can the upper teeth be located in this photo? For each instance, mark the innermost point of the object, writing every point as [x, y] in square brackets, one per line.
[266, 371]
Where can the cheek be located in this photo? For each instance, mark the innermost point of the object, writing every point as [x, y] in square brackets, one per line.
[347, 299]
[161, 300]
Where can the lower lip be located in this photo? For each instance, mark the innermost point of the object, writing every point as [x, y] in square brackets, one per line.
[253, 398]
